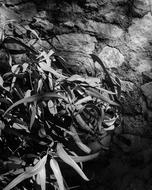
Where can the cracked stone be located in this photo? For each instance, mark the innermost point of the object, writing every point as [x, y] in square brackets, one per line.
[111, 57]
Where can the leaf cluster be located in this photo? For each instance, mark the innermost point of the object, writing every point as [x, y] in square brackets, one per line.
[44, 109]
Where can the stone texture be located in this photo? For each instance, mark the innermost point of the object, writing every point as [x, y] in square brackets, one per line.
[111, 57]
[140, 7]
[147, 76]
[139, 42]
[102, 30]
[147, 91]
[26, 10]
[75, 48]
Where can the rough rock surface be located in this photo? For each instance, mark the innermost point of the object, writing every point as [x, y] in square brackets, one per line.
[147, 91]
[111, 57]
[75, 48]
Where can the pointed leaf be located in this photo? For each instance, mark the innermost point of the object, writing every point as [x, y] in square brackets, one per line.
[27, 174]
[24, 100]
[42, 178]
[78, 141]
[96, 94]
[33, 114]
[45, 67]
[57, 173]
[68, 160]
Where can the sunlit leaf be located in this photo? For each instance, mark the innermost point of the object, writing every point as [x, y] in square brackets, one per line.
[24, 67]
[32, 31]
[27, 174]
[68, 160]
[20, 127]
[110, 121]
[45, 67]
[50, 81]
[34, 107]
[15, 69]
[52, 107]
[112, 127]
[83, 100]
[57, 173]
[1, 81]
[41, 176]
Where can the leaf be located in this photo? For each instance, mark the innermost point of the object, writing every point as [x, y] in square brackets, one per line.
[112, 127]
[24, 67]
[82, 123]
[24, 100]
[57, 173]
[85, 158]
[68, 160]
[110, 121]
[83, 100]
[33, 114]
[20, 127]
[78, 141]
[33, 98]
[27, 174]
[50, 81]
[1, 81]
[52, 107]
[45, 67]
[41, 177]
[40, 84]
[32, 31]
[96, 94]
[108, 78]
[17, 41]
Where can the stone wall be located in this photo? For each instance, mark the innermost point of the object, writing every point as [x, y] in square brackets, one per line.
[118, 31]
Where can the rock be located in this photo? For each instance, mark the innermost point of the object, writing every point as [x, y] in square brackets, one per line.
[26, 10]
[147, 76]
[7, 14]
[14, 2]
[139, 42]
[147, 91]
[102, 30]
[44, 24]
[69, 24]
[4, 62]
[111, 57]
[127, 86]
[75, 49]
[140, 7]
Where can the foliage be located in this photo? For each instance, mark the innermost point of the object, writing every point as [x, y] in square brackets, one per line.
[48, 116]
